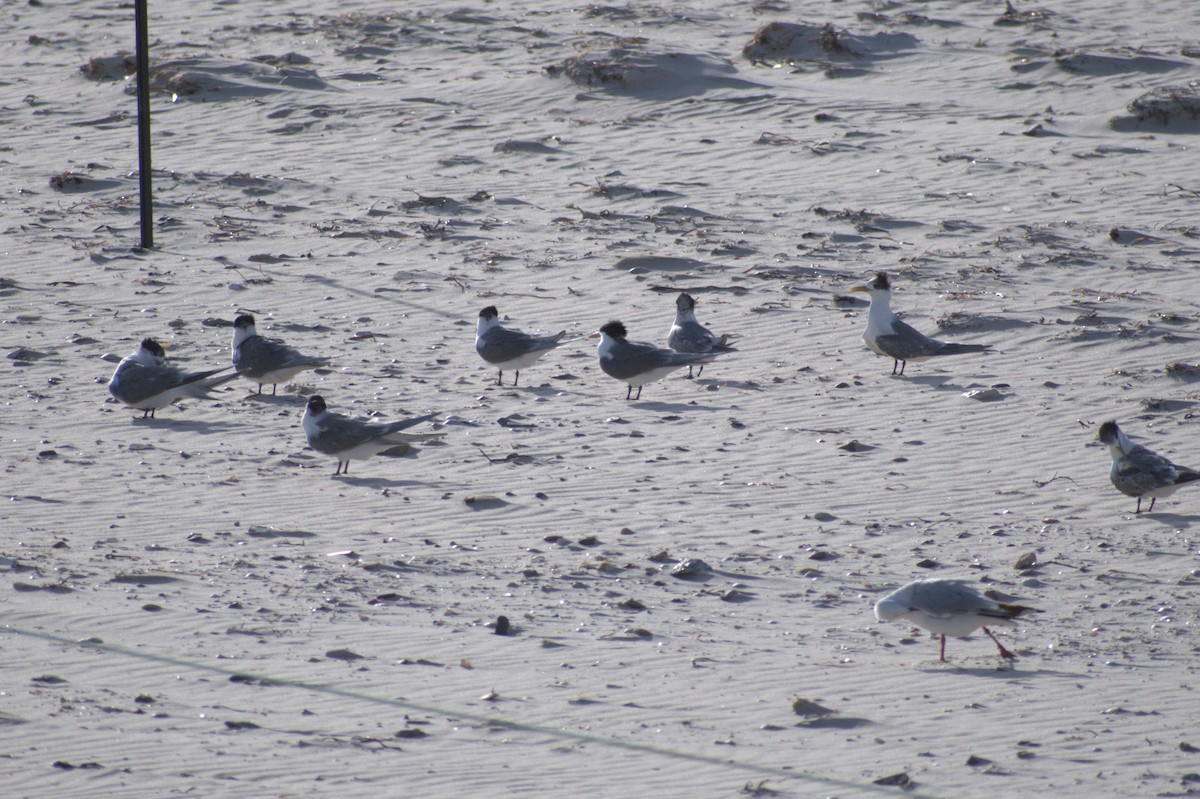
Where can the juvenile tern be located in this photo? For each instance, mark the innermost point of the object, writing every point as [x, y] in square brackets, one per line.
[688, 335]
[888, 335]
[510, 349]
[948, 607]
[267, 360]
[638, 364]
[1138, 472]
[145, 381]
[351, 440]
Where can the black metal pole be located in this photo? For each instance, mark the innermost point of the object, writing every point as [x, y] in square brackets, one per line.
[145, 186]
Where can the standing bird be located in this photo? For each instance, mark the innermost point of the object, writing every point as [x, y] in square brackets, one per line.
[636, 363]
[145, 381]
[1138, 472]
[267, 360]
[948, 607]
[887, 335]
[510, 349]
[351, 440]
[688, 335]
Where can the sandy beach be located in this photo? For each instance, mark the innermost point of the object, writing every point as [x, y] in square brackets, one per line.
[194, 604]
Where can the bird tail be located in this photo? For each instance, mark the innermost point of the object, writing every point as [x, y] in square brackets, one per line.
[407, 423]
[1186, 476]
[199, 384]
[951, 348]
[1008, 612]
[405, 438]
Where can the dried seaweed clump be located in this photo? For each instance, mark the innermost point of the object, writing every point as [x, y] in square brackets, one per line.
[592, 68]
[795, 42]
[1167, 104]
[118, 66]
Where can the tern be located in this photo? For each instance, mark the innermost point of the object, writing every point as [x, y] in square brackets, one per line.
[267, 360]
[1138, 472]
[688, 335]
[888, 335]
[145, 381]
[510, 349]
[636, 363]
[351, 440]
[949, 607]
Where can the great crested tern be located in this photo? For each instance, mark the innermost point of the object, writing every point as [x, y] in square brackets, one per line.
[351, 440]
[888, 335]
[510, 349]
[636, 363]
[144, 380]
[688, 335]
[267, 361]
[946, 606]
[1138, 472]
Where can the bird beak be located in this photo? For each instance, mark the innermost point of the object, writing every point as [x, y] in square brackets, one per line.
[594, 335]
[860, 287]
[166, 345]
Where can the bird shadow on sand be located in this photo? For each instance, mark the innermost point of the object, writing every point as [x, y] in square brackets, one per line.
[943, 382]
[276, 399]
[376, 482]
[672, 407]
[188, 425]
[538, 391]
[1173, 520]
[1003, 670]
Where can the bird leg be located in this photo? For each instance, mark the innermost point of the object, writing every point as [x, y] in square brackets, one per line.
[1004, 653]
[500, 378]
[1152, 501]
[274, 388]
[517, 378]
[628, 390]
[943, 657]
[697, 373]
[639, 394]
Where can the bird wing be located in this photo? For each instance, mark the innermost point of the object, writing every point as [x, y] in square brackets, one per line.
[257, 355]
[1147, 470]
[336, 433]
[904, 341]
[695, 337]
[945, 598]
[632, 358]
[136, 382]
[501, 344]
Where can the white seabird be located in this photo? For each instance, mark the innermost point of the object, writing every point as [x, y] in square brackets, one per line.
[145, 381]
[267, 360]
[948, 607]
[636, 363]
[688, 335]
[351, 440]
[888, 335]
[1138, 472]
[505, 348]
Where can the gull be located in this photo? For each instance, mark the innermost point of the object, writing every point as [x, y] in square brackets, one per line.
[948, 607]
[1138, 472]
[510, 349]
[887, 335]
[637, 363]
[351, 440]
[688, 335]
[145, 381]
[267, 360]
